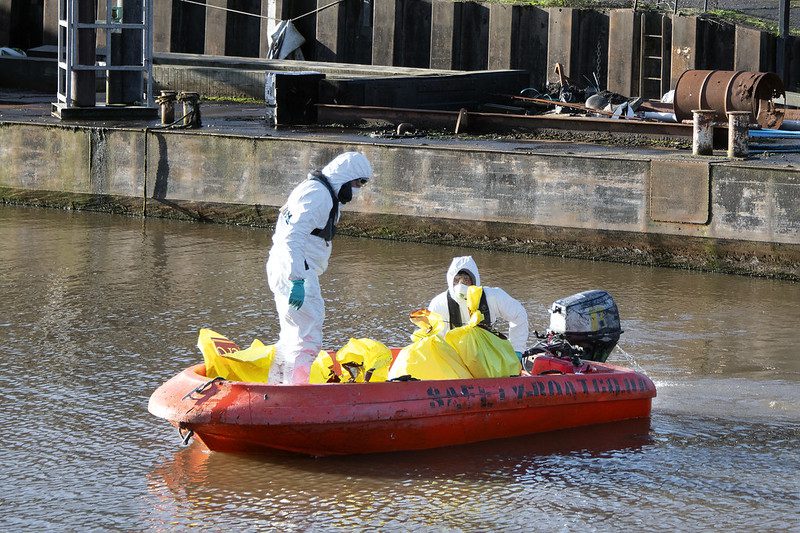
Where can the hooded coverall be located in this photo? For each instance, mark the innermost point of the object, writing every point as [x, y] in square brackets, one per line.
[500, 304]
[297, 254]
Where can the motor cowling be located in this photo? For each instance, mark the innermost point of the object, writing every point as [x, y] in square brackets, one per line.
[589, 319]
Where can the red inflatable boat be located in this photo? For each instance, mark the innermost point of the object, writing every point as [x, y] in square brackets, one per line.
[331, 419]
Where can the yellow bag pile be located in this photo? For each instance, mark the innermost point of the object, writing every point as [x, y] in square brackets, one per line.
[485, 354]
[360, 361]
[223, 358]
[429, 356]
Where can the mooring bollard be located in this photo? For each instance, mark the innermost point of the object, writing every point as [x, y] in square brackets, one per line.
[738, 133]
[703, 132]
[167, 103]
[191, 109]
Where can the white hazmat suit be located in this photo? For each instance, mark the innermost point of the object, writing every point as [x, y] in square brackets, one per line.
[500, 304]
[298, 254]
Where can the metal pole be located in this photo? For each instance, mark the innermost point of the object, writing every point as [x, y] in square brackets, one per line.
[147, 46]
[61, 56]
[83, 87]
[705, 6]
[132, 82]
[783, 40]
[114, 79]
[110, 90]
[69, 49]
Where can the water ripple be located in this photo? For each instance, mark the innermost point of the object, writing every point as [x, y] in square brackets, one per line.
[95, 313]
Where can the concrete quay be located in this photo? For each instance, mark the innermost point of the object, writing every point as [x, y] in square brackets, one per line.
[652, 206]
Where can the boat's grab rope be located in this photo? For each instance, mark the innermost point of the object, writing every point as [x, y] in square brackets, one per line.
[202, 387]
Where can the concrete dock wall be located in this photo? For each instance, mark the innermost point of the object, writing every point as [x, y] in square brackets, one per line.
[757, 203]
[633, 209]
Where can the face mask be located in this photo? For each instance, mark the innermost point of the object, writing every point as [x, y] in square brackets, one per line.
[355, 191]
[345, 193]
[461, 291]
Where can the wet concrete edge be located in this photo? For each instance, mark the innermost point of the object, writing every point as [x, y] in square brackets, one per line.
[762, 259]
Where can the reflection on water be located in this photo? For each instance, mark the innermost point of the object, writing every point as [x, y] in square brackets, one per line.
[479, 462]
[682, 474]
[95, 314]
[368, 489]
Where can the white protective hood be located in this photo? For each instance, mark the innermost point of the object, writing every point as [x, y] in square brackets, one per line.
[501, 304]
[461, 263]
[347, 167]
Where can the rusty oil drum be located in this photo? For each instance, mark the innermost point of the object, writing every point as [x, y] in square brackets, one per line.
[729, 90]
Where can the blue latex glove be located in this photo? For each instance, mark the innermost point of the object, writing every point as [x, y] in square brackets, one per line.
[298, 293]
[519, 355]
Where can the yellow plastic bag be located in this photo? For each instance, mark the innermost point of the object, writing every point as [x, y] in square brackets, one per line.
[485, 354]
[223, 358]
[360, 361]
[429, 356]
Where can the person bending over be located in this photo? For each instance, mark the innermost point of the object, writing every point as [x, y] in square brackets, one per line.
[301, 247]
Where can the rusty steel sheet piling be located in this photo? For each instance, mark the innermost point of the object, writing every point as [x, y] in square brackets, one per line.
[727, 91]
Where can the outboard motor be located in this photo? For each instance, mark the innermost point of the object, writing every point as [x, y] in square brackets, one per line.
[588, 319]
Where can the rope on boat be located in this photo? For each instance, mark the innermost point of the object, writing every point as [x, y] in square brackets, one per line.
[204, 386]
[636, 366]
[185, 438]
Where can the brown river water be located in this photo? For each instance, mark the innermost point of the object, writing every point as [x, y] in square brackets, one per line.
[97, 310]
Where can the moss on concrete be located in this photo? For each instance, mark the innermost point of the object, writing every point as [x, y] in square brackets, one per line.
[743, 19]
[712, 255]
[234, 99]
[542, 134]
[585, 4]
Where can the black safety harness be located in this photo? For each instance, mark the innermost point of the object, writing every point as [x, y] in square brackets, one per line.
[455, 312]
[329, 230]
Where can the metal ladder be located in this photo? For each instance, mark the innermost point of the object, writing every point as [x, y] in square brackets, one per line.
[653, 48]
[68, 27]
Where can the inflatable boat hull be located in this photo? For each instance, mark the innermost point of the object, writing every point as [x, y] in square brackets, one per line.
[358, 418]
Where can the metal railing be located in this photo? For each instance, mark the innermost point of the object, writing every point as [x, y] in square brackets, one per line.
[67, 47]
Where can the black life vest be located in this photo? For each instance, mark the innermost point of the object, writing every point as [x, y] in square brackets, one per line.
[455, 312]
[329, 230]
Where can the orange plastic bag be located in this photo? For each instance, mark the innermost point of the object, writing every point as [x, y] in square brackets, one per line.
[429, 357]
[223, 358]
[360, 361]
[485, 354]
